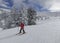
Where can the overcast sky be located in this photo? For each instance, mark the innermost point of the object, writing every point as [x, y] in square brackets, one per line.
[52, 5]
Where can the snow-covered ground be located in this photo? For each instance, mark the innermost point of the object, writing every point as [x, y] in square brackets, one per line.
[46, 31]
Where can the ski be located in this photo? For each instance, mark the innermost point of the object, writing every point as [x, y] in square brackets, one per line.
[20, 33]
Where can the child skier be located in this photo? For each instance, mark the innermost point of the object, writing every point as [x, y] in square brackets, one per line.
[22, 27]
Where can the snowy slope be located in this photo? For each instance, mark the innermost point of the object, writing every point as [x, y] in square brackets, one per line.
[44, 32]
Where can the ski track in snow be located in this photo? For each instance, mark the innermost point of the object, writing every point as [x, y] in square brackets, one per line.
[44, 32]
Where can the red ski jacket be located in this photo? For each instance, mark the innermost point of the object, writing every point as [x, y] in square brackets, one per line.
[22, 25]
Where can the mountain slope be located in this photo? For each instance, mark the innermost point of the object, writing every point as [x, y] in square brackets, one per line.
[44, 32]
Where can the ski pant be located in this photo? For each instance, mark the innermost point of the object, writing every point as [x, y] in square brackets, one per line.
[22, 30]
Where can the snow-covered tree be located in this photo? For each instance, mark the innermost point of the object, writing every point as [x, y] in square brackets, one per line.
[13, 18]
[31, 16]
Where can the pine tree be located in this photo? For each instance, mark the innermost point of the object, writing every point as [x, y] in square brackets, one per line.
[31, 16]
[15, 14]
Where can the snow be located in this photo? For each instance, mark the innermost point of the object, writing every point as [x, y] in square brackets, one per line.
[46, 31]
